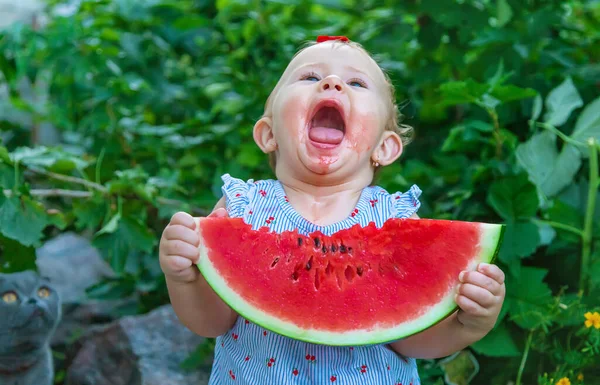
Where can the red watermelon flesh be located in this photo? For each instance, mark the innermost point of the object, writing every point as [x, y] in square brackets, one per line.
[362, 285]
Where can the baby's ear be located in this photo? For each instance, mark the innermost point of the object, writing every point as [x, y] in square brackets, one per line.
[390, 148]
[263, 135]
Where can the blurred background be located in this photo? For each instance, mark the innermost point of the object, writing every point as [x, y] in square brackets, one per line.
[115, 114]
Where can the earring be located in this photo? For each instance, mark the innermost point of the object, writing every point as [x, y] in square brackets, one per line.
[375, 163]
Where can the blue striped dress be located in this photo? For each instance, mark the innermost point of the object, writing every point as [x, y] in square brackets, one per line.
[249, 354]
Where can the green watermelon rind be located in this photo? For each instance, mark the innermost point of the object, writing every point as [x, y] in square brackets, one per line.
[492, 234]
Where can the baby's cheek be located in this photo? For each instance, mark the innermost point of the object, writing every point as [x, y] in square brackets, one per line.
[292, 113]
[365, 133]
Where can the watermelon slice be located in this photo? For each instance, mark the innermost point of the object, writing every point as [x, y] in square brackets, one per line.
[363, 285]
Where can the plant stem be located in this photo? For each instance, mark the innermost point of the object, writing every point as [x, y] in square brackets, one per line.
[70, 179]
[524, 358]
[57, 192]
[16, 176]
[99, 164]
[560, 134]
[586, 249]
[561, 226]
[497, 135]
[120, 204]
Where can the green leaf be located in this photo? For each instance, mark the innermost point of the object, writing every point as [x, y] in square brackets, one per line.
[469, 136]
[531, 298]
[513, 198]
[569, 310]
[7, 176]
[4, 155]
[488, 95]
[462, 92]
[497, 343]
[566, 214]
[22, 219]
[561, 102]
[89, 213]
[120, 237]
[537, 107]
[48, 157]
[520, 240]
[588, 124]
[504, 13]
[15, 256]
[57, 218]
[460, 368]
[111, 289]
[594, 272]
[509, 93]
[111, 226]
[548, 169]
[547, 234]
[201, 356]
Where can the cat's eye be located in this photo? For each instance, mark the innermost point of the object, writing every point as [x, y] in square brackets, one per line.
[43, 292]
[9, 297]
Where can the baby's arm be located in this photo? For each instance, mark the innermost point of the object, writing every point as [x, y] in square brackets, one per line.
[195, 303]
[480, 297]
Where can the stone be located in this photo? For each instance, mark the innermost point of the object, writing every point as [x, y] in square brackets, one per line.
[137, 350]
[72, 264]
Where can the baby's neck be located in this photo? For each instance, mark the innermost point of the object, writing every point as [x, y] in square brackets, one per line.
[323, 205]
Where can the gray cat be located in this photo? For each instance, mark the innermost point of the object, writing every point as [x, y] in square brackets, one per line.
[29, 313]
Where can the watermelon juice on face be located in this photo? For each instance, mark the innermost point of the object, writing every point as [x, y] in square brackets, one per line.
[317, 276]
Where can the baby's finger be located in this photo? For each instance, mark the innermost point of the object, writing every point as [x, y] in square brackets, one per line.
[479, 279]
[183, 219]
[492, 271]
[178, 263]
[181, 248]
[219, 213]
[469, 306]
[477, 294]
[182, 233]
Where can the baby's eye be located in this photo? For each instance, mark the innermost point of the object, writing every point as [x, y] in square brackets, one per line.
[357, 83]
[313, 77]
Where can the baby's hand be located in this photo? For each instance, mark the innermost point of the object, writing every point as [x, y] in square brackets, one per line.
[480, 296]
[178, 249]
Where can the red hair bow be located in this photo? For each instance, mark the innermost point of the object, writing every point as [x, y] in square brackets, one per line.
[323, 38]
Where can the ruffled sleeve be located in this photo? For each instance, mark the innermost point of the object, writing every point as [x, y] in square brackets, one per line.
[236, 193]
[406, 204]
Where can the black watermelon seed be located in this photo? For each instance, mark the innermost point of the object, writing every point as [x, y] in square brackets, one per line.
[333, 248]
[299, 241]
[350, 250]
[343, 249]
[324, 249]
[309, 263]
[359, 270]
[317, 242]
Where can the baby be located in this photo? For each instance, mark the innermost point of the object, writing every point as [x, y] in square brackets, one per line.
[329, 124]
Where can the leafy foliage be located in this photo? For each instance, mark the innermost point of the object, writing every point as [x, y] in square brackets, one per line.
[152, 101]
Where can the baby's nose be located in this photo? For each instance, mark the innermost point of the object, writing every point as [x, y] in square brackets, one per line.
[331, 83]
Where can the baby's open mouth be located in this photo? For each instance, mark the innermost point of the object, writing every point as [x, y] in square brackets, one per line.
[327, 126]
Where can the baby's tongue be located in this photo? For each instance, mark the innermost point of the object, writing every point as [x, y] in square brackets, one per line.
[327, 126]
[326, 135]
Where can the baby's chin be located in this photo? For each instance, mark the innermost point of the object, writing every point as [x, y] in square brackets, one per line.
[338, 165]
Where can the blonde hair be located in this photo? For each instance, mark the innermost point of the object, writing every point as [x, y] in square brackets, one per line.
[394, 121]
